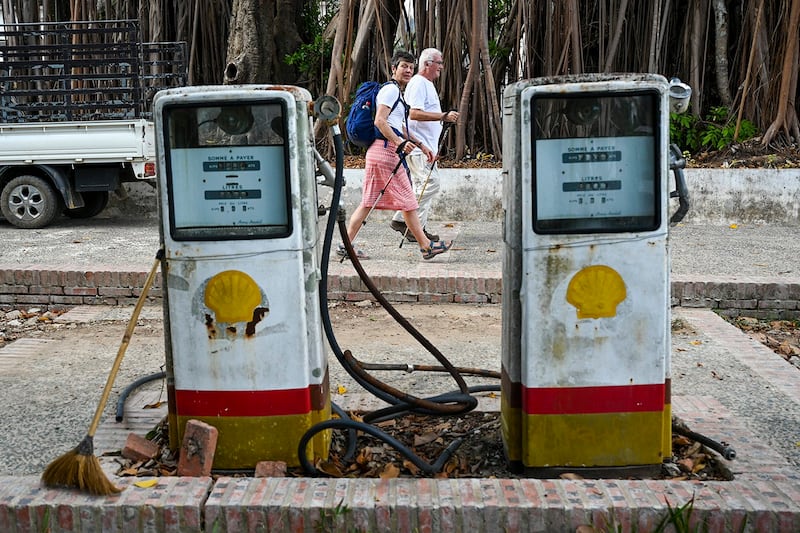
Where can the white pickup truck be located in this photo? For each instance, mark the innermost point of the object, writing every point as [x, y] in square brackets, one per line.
[69, 167]
[75, 118]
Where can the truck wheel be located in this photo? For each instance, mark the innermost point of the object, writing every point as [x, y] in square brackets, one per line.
[29, 202]
[93, 203]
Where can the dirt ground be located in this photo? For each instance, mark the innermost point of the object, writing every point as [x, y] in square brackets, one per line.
[749, 154]
[468, 336]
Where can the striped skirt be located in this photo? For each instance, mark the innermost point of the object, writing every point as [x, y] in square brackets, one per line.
[398, 194]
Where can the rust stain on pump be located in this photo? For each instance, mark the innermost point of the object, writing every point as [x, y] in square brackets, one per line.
[212, 330]
[258, 315]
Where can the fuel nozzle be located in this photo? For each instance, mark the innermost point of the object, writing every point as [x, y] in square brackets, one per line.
[324, 169]
[679, 95]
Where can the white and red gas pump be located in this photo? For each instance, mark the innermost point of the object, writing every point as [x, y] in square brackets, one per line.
[586, 288]
[238, 211]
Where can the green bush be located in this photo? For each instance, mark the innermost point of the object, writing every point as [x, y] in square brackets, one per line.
[714, 132]
[312, 59]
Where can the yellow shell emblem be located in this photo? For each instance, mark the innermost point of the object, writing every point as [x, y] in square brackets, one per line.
[596, 291]
[232, 295]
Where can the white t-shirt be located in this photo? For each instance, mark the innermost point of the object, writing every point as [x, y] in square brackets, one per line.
[387, 96]
[421, 94]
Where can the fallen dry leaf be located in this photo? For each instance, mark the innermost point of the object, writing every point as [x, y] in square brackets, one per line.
[329, 468]
[390, 471]
[411, 467]
[364, 456]
[680, 440]
[425, 438]
[147, 483]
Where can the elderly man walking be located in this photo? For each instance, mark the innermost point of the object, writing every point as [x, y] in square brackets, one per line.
[426, 120]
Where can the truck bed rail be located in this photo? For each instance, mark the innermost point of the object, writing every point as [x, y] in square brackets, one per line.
[92, 70]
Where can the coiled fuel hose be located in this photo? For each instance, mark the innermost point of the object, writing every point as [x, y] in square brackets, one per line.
[451, 403]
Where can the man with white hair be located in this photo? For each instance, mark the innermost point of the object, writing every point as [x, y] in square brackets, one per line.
[425, 123]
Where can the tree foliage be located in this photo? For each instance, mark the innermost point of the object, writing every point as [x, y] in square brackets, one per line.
[739, 55]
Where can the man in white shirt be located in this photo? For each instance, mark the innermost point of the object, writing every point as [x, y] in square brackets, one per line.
[425, 124]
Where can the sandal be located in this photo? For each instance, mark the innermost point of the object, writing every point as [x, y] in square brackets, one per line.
[341, 251]
[436, 248]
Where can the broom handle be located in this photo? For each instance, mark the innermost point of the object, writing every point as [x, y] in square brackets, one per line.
[124, 345]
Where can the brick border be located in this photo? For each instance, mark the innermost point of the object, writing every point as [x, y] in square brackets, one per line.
[756, 297]
[470, 506]
[745, 296]
[59, 288]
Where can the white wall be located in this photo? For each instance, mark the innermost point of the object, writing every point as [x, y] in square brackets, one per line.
[717, 196]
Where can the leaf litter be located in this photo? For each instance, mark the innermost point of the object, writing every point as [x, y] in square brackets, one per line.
[481, 454]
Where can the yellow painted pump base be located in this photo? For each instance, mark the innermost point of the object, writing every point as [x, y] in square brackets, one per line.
[244, 441]
[607, 445]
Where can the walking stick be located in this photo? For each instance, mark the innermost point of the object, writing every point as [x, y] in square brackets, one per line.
[442, 137]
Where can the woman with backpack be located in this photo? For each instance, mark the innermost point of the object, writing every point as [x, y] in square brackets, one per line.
[380, 190]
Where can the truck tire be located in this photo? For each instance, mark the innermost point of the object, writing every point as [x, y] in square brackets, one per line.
[93, 203]
[29, 202]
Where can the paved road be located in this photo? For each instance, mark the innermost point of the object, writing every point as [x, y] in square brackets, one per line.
[122, 241]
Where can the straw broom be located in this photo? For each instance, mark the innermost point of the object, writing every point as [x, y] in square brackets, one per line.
[79, 467]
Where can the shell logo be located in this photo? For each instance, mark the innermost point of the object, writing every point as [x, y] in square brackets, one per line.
[232, 295]
[596, 291]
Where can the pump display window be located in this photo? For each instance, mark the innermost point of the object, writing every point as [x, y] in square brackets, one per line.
[596, 163]
[228, 171]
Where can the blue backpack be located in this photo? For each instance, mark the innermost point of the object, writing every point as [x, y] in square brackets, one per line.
[360, 123]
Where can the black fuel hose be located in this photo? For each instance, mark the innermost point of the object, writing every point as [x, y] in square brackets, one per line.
[326, 253]
[123, 396]
[428, 468]
[677, 163]
[454, 403]
[351, 365]
[721, 448]
[463, 405]
[394, 411]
